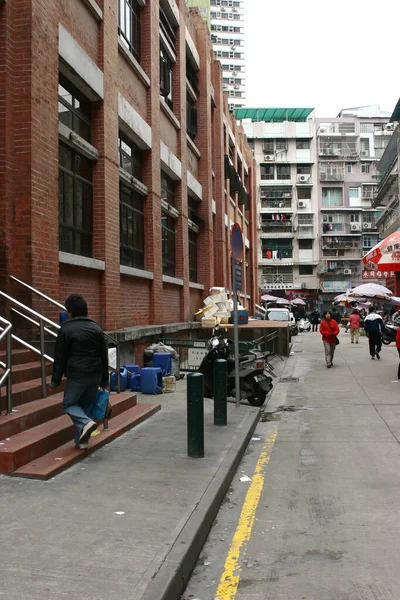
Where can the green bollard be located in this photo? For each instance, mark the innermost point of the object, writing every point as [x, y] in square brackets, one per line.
[220, 395]
[195, 415]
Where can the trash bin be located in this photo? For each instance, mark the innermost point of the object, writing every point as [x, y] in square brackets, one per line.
[164, 361]
[151, 380]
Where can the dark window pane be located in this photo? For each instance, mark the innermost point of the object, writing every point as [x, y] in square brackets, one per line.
[131, 228]
[74, 110]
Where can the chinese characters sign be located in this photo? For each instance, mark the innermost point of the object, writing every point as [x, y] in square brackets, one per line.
[377, 274]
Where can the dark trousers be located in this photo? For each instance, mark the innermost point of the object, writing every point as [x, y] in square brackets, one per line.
[314, 326]
[375, 343]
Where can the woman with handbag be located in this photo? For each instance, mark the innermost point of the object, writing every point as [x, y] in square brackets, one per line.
[329, 329]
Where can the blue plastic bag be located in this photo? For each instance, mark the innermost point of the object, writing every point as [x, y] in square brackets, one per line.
[100, 406]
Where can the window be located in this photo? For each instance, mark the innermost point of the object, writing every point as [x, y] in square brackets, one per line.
[366, 128]
[168, 244]
[129, 25]
[267, 171]
[268, 146]
[350, 167]
[168, 224]
[304, 170]
[365, 167]
[304, 193]
[332, 197]
[192, 256]
[303, 144]
[369, 241]
[355, 218]
[281, 144]
[305, 270]
[75, 197]
[364, 146]
[130, 157]
[305, 244]
[166, 66]
[191, 117]
[354, 196]
[74, 110]
[167, 28]
[131, 206]
[283, 172]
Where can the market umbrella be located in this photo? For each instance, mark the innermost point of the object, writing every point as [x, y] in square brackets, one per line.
[299, 302]
[269, 298]
[374, 255]
[371, 290]
[386, 254]
[395, 300]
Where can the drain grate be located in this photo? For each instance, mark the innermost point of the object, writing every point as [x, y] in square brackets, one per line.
[288, 379]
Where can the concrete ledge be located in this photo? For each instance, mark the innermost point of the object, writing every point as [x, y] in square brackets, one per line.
[131, 334]
[135, 272]
[94, 9]
[81, 261]
[196, 286]
[170, 580]
[175, 122]
[193, 146]
[134, 63]
[173, 280]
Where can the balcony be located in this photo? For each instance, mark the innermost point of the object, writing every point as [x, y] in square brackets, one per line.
[342, 227]
[277, 281]
[338, 149]
[341, 247]
[276, 228]
[276, 205]
[305, 232]
[331, 173]
[344, 128]
[276, 255]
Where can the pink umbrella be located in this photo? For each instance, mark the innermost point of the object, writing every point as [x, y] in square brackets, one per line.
[299, 302]
[269, 298]
[371, 290]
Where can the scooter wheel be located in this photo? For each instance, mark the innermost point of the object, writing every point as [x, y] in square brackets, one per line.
[259, 401]
[386, 341]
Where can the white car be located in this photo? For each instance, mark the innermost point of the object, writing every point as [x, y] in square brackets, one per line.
[282, 314]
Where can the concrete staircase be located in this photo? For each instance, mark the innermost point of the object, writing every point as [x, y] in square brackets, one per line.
[36, 440]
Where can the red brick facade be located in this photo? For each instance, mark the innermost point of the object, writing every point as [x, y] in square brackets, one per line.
[30, 51]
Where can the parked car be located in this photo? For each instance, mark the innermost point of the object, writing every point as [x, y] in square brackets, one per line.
[282, 314]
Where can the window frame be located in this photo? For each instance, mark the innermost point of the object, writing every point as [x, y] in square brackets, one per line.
[193, 256]
[133, 41]
[131, 254]
[76, 114]
[85, 233]
[166, 76]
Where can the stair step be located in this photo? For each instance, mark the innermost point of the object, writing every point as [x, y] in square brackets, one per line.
[33, 443]
[30, 370]
[40, 411]
[19, 356]
[65, 456]
[28, 391]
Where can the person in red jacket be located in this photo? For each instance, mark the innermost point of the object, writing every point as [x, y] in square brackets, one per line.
[354, 322]
[398, 350]
[329, 329]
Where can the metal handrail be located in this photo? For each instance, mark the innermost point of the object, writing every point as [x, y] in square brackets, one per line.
[7, 366]
[110, 338]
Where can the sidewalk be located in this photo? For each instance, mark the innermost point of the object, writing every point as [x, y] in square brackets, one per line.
[64, 538]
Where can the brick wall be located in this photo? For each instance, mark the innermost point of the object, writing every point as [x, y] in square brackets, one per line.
[29, 141]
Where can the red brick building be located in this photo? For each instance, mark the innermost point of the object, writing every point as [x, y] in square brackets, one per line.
[121, 170]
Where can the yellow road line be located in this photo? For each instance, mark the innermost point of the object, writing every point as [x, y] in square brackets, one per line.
[230, 579]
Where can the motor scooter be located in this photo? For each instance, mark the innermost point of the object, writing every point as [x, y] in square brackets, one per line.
[304, 325]
[389, 333]
[254, 383]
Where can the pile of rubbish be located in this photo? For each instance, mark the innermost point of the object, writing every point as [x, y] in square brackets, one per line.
[217, 308]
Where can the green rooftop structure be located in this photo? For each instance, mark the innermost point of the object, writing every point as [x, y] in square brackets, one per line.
[274, 115]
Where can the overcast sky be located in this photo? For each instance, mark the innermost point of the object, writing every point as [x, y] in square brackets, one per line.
[322, 54]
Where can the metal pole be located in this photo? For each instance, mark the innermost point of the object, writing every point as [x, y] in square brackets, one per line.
[235, 334]
[118, 364]
[220, 392]
[195, 415]
[9, 366]
[42, 359]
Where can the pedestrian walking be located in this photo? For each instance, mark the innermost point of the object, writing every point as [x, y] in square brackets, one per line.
[374, 327]
[314, 319]
[354, 321]
[329, 330]
[81, 355]
[398, 350]
[335, 315]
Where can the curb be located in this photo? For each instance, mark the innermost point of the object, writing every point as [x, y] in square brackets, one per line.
[171, 579]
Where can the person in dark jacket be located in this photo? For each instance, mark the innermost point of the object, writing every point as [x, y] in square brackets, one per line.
[314, 316]
[335, 315]
[329, 329]
[374, 327]
[81, 355]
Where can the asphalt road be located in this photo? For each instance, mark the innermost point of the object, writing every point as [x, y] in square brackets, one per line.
[312, 513]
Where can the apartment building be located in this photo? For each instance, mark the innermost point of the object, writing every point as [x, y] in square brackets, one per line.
[226, 22]
[121, 168]
[387, 197]
[348, 148]
[283, 142]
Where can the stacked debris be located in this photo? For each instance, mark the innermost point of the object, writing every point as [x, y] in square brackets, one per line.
[217, 308]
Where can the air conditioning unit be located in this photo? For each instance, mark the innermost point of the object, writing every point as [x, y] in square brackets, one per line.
[233, 47]
[367, 225]
[364, 153]
[301, 204]
[304, 286]
[355, 227]
[303, 178]
[389, 126]
[325, 219]
[223, 9]
[268, 157]
[237, 87]
[225, 86]
[322, 130]
[347, 271]
[234, 73]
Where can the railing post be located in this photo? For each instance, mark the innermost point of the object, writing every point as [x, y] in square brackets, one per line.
[9, 366]
[42, 359]
[118, 363]
[220, 392]
[195, 415]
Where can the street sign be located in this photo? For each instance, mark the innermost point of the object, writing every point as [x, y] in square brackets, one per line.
[238, 276]
[237, 242]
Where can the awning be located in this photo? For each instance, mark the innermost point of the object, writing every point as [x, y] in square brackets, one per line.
[274, 115]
